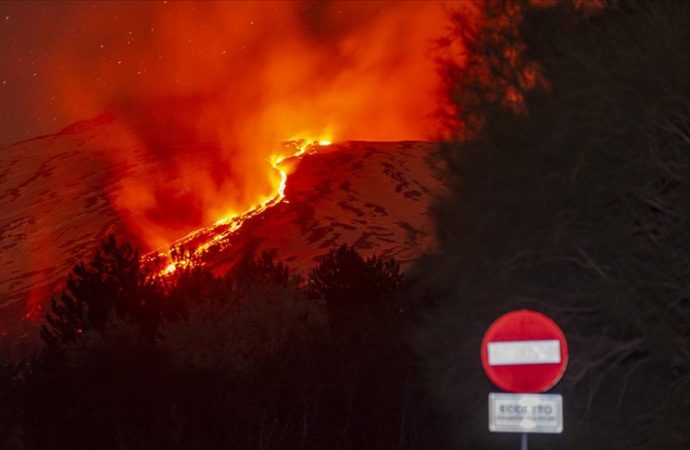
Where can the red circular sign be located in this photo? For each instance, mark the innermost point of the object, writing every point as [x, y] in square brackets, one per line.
[524, 351]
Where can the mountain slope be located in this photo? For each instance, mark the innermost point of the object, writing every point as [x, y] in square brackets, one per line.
[373, 195]
[58, 195]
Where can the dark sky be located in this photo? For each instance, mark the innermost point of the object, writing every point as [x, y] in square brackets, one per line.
[30, 100]
[23, 31]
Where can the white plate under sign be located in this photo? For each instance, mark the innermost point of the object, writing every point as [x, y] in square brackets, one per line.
[526, 413]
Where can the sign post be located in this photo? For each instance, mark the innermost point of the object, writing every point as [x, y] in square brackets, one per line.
[524, 353]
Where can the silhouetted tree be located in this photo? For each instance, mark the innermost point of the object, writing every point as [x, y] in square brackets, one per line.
[351, 284]
[367, 354]
[483, 65]
[261, 271]
[189, 284]
[112, 284]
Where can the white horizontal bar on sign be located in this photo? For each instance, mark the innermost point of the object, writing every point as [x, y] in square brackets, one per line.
[509, 353]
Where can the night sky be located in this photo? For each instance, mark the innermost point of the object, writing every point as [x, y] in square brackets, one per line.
[31, 33]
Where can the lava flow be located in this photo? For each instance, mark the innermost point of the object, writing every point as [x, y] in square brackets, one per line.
[188, 249]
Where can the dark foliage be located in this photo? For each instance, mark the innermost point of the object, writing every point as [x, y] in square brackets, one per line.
[482, 65]
[261, 271]
[350, 284]
[112, 284]
[576, 205]
[248, 360]
[191, 284]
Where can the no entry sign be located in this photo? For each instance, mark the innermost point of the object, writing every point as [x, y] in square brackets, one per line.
[524, 351]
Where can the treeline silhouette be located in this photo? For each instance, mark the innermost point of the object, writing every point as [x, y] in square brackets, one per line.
[256, 359]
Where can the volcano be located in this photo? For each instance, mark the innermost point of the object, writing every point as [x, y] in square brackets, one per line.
[374, 196]
[58, 200]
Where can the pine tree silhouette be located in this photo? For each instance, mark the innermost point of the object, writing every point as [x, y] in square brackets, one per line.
[112, 283]
[348, 283]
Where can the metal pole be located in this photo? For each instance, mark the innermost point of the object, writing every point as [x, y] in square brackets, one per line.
[523, 441]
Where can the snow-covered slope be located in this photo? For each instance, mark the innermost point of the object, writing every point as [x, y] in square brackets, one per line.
[56, 205]
[57, 197]
[373, 195]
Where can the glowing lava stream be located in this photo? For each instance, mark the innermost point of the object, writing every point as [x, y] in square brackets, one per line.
[183, 251]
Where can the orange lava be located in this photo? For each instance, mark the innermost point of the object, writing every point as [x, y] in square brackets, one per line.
[197, 243]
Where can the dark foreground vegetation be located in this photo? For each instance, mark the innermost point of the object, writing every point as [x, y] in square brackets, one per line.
[569, 194]
[256, 359]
